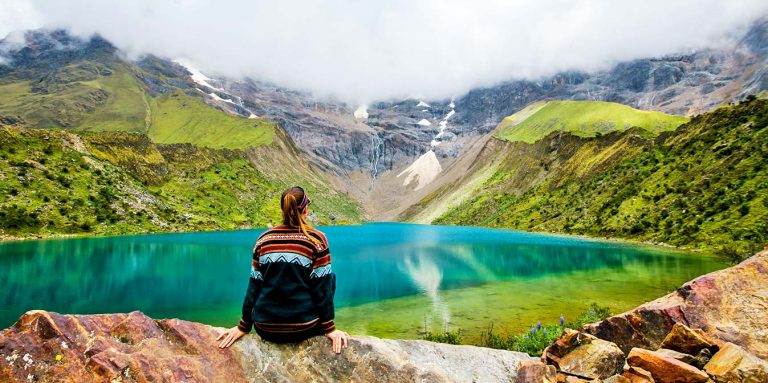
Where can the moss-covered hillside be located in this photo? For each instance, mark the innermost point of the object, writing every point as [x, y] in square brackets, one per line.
[582, 118]
[58, 182]
[93, 143]
[703, 186]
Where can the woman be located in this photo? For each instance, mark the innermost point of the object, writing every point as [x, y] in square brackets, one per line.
[291, 288]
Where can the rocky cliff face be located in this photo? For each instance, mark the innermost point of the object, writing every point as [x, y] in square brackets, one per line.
[45, 346]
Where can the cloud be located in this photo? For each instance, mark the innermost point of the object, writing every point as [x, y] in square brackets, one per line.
[362, 51]
[15, 15]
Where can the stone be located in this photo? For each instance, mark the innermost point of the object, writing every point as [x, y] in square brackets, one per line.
[702, 358]
[536, 372]
[637, 375]
[664, 369]
[685, 358]
[583, 355]
[562, 378]
[48, 347]
[727, 305]
[687, 340]
[734, 364]
[617, 379]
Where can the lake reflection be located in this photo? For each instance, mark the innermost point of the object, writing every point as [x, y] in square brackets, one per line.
[203, 276]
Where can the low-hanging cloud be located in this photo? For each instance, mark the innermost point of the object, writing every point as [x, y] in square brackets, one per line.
[362, 51]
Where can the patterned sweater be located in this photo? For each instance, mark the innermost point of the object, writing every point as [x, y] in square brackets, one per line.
[291, 286]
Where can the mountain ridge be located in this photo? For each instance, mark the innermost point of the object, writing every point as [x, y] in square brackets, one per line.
[701, 186]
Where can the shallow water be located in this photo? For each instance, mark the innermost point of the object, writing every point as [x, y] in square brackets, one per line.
[393, 280]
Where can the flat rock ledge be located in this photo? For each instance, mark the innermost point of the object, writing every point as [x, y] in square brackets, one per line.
[49, 347]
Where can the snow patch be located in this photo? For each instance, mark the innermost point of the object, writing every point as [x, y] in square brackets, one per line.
[197, 76]
[452, 105]
[216, 97]
[422, 103]
[443, 125]
[423, 171]
[424, 122]
[252, 116]
[361, 112]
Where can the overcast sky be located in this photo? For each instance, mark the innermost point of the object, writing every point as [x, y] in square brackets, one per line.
[361, 51]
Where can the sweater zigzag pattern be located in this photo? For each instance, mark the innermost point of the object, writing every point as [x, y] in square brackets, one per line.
[291, 286]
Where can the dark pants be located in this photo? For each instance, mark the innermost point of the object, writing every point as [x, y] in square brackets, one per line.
[288, 337]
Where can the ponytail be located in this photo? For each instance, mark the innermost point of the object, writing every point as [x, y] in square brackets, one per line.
[293, 202]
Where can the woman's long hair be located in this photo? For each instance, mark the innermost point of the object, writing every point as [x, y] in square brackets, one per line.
[293, 202]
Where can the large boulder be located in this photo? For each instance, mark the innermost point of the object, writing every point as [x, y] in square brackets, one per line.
[45, 346]
[688, 341]
[665, 369]
[584, 355]
[729, 305]
[732, 364]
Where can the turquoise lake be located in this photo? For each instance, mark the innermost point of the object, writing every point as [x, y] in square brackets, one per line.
[393, 280]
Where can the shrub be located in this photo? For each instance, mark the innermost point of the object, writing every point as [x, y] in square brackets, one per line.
[450, 337]
[733, 253]
[538, 337]
[17, 217]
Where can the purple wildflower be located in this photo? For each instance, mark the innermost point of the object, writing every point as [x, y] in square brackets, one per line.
[562, 320]
[538, 325]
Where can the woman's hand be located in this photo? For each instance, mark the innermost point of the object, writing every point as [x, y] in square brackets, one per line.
[230, 336]
[339, 338]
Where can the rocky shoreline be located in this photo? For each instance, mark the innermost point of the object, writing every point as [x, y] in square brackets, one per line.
[712, 329]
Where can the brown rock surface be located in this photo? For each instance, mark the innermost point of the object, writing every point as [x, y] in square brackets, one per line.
[679, 356]
[729, 305]
[617, 379]
[536, 372]
[665, 369]
[687, 340]
[44, 346]
[637, 375]
[584, 355]
[733, 364]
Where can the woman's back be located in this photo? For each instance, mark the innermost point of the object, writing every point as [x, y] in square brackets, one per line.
[295, 274]
[291, 287]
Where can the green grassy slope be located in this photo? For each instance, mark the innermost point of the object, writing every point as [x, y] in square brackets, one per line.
[181, 118]
[582, 118]
[58, 182]
[126, 108]
[702, 186]
[93, 96]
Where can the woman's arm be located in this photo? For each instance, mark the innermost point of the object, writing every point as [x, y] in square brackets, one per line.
[251, 294]
[322, 282]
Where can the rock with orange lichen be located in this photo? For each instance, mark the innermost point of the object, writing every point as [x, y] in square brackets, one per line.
[45, 346]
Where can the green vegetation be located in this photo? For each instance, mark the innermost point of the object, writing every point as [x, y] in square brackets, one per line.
[126, 107]
[447, 336]
[540, 336]
[94, 96]
[533, 342]
[703, 186]
[181, 118]
[58, 182]
[582, 118]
